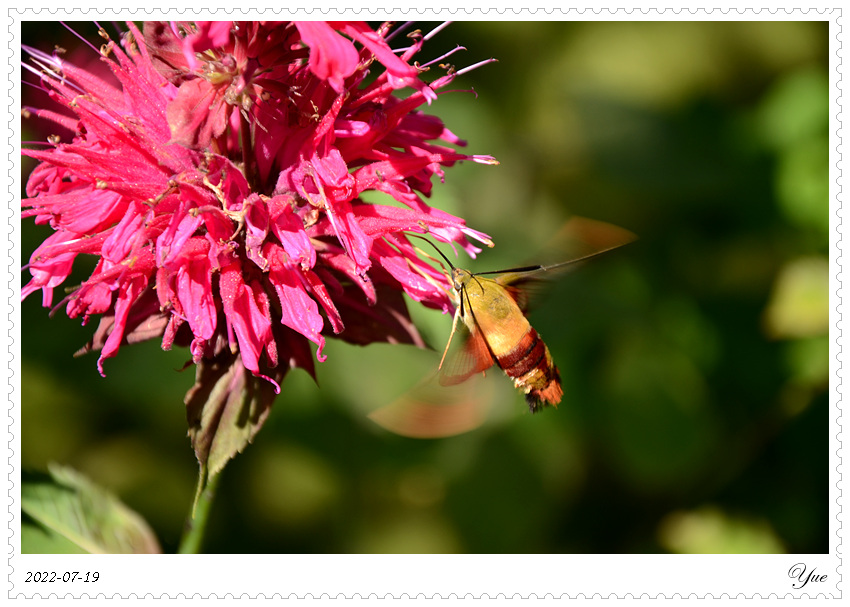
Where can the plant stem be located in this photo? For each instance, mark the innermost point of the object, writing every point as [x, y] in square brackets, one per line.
[193, 533]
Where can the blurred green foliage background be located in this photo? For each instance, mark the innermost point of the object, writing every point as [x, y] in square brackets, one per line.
[694, 361]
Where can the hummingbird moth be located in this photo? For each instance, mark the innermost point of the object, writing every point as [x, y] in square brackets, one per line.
[492, 309]
[490, 328]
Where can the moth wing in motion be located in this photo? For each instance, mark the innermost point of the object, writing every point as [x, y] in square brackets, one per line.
[581, 238]
[578, 240]
[467, 354]
[433, 410]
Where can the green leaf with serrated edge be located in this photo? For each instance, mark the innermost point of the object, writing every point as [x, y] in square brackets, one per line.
[226, 408]
[65, 512]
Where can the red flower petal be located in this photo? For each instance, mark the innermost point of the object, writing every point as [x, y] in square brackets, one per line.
[332, 57]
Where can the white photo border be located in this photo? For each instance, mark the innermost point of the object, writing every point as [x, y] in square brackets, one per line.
[385, 576]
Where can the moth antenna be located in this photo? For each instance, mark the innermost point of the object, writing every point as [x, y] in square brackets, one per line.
[435, 248]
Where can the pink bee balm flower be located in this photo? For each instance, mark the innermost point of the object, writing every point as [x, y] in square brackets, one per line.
[217, 181]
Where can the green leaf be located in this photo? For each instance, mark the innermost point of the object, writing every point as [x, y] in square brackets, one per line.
[64, 512]
[226, 408]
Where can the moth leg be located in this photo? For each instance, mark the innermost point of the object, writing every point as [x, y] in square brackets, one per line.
[451, 335]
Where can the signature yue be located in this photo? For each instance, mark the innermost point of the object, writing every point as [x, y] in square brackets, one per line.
[802, 576]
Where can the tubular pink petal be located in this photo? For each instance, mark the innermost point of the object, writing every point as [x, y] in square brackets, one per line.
[195, 294]
[332, 57]
[298, 310]
[256, 229]
[128, 292]
[289, 230]
[241, 309]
